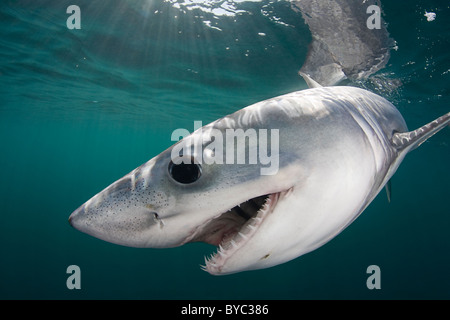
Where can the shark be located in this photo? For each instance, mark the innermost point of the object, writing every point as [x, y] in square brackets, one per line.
[332, 150]
[336, 148]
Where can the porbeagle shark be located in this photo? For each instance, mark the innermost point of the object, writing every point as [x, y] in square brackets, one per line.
[333, 151]
[336, 148]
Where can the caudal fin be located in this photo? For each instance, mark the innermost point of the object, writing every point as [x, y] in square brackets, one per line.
[408, 141]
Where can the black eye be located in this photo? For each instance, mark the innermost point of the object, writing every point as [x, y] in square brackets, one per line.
[185, 172]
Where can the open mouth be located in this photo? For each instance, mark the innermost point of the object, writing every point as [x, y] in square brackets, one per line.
[232, 229]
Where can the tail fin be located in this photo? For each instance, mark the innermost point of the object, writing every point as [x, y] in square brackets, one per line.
[408, 141]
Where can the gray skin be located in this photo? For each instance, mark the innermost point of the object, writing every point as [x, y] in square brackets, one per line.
[337, 148]
[342, 45]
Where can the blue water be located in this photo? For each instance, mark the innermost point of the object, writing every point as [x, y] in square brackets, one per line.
[81, 108]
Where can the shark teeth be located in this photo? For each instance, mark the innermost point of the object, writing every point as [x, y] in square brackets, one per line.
[231, 244]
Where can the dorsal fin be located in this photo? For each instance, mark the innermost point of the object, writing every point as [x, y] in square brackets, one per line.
[408, 141]
[309, 81]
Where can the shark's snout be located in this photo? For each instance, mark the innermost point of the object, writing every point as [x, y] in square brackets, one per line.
[79, 220]
[73, 218]
[132, 212]
[113, 217]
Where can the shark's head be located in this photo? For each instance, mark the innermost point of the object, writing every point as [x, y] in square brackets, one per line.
[265, 185]
[177, 198]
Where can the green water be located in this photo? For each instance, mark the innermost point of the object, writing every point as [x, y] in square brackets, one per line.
[81, 108]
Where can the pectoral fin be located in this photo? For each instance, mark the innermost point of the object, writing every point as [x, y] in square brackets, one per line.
[388, 187]
[407, 141]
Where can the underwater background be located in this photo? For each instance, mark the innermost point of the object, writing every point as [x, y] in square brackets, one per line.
[81, 108]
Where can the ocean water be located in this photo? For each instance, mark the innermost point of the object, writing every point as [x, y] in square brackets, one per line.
[81, 108]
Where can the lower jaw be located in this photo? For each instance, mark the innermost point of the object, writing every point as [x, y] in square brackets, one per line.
[231, 244]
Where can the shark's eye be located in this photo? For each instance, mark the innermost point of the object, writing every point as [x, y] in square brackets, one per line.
[185, 172]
